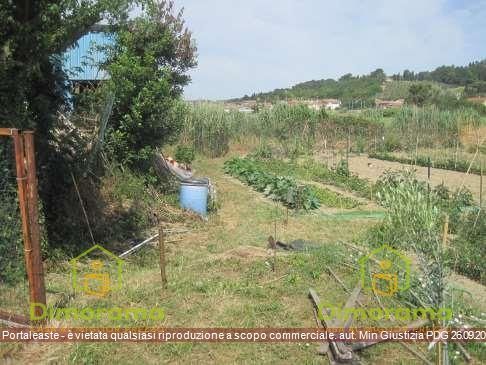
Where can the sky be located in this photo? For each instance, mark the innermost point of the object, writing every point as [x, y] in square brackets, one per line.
[259, 45]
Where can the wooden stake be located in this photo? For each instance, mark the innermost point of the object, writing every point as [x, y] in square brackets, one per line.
[348, 147]
[162, 256]
[83, 209]
[33, 210]
[481, 186]
[33, 261]
[446, 231]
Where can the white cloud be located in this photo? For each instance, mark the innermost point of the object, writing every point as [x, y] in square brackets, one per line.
[257, 45]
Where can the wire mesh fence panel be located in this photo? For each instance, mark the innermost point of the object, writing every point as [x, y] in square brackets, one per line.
[14, 289]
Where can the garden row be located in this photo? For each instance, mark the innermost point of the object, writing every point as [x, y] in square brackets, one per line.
[314, 171]
[284, 189]
[446, 164]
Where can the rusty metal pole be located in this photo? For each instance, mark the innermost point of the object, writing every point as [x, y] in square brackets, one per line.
[39, 292]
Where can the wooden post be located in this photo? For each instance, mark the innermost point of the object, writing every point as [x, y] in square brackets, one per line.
[348, 147]
[33, 261]
[162, 256]
[446, 231]
[481, 186]
[441, 354]
[33, 210]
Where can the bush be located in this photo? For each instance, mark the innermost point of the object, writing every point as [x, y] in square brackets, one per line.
[392, 143]
[342, 168]
[184, 154]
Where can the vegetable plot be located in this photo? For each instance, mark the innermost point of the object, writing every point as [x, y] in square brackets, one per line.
[280, 188]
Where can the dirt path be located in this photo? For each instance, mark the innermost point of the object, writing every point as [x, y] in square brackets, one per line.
[372, 168]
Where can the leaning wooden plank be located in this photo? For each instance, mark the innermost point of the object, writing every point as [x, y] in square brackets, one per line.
[13, 320]
[324, 348]
[341, 352]
[336, 323]
[464, 352]
[416, 353]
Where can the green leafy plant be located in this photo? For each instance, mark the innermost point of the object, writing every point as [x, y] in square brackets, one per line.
[280, 188]
[342, 168]
[184, 154]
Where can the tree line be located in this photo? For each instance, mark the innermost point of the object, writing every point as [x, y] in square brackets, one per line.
[367, 87]
[472, 76]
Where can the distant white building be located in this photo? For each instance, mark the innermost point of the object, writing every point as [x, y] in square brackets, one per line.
[318, 104]
[331, 104]
[245, 109]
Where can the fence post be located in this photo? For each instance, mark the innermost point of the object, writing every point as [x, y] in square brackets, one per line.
[33, 261]
[481, 186]
[162, 256]
[33, 209]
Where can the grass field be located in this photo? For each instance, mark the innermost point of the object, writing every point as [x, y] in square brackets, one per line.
[220, 275]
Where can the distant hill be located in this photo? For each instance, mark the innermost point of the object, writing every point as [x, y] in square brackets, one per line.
[470, 79]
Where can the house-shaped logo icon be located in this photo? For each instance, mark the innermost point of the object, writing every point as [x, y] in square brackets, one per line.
[385, 271]
[96, 272]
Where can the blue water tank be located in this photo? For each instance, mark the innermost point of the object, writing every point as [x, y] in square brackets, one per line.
[194, 195]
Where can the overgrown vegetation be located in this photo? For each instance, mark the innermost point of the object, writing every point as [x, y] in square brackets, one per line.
[184, 154]
[415, 218]
[207, 128]
[11, 243]
[468, 249]
[147, 83]
[430, 126]
[120, 123]
[295, 130]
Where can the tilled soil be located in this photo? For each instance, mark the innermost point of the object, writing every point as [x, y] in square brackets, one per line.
[371, 168]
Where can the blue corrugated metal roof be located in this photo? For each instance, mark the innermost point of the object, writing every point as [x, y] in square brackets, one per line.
[80, 62]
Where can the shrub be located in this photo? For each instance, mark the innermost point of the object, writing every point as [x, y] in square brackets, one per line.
[184, 154]
[342, 168]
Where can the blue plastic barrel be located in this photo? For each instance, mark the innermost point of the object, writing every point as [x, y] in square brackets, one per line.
[194, 196]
